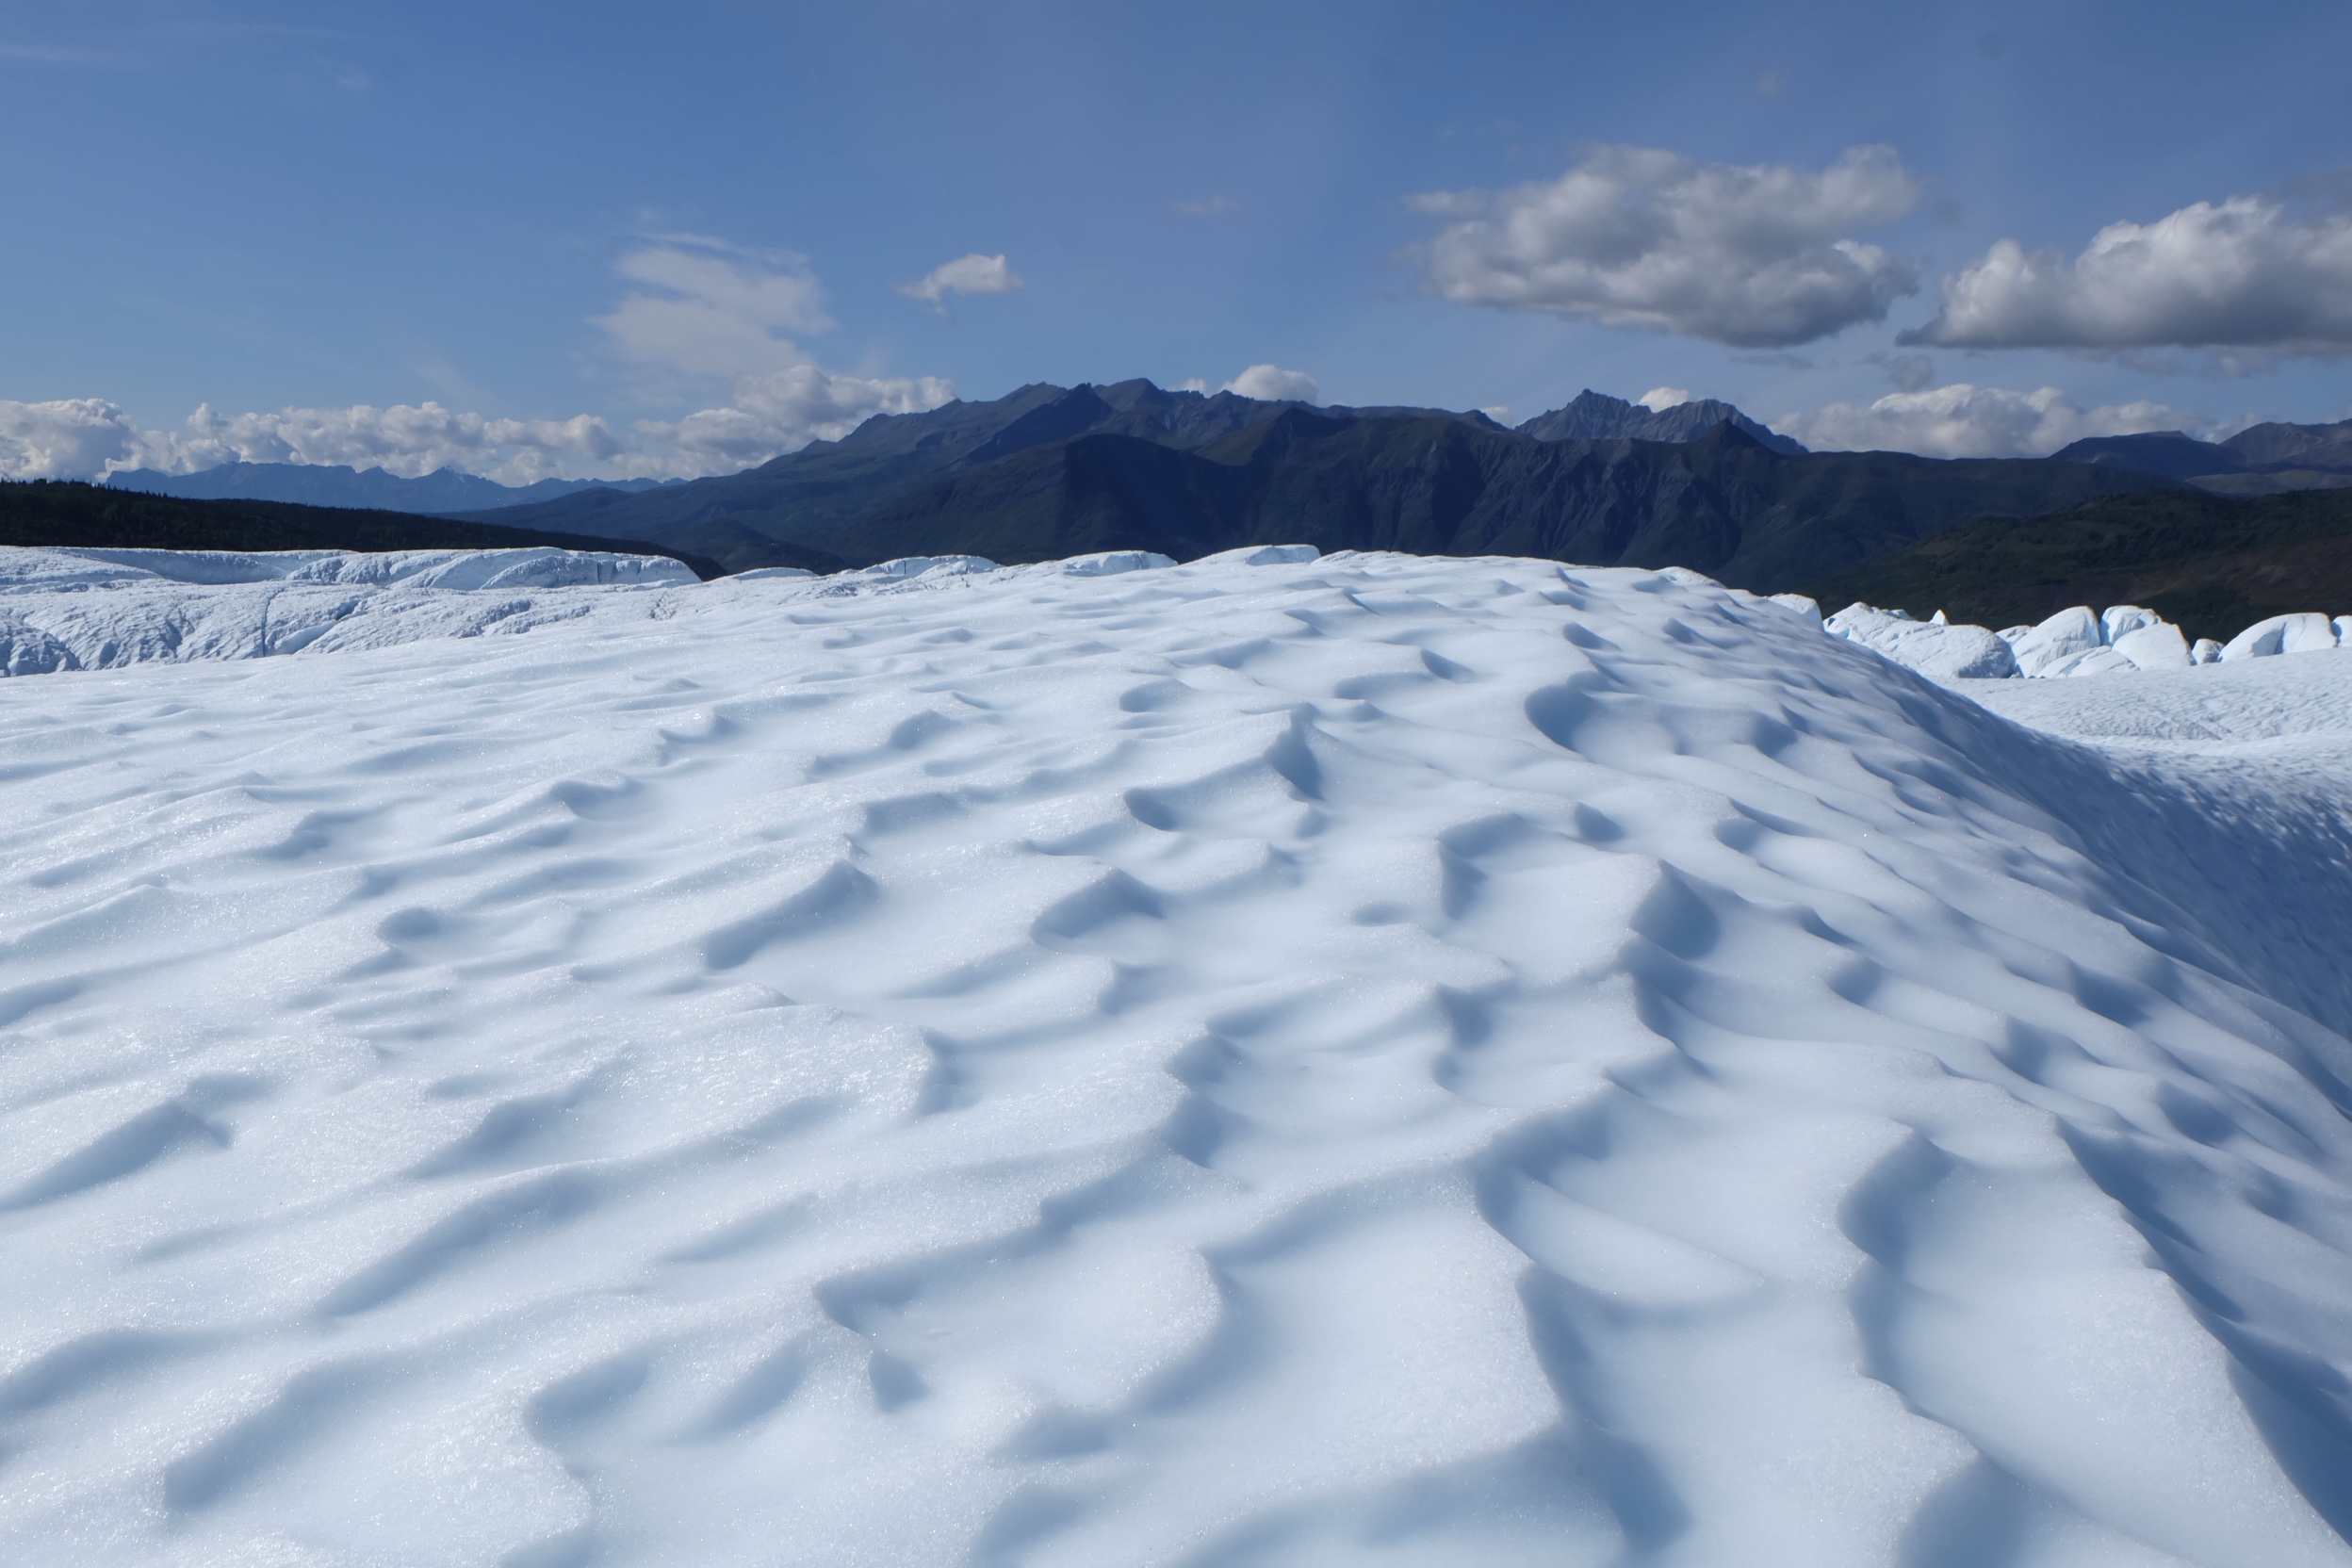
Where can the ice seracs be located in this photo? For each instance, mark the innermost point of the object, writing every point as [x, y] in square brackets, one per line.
[2306, 633]
[2073, 641]
[1935, 648]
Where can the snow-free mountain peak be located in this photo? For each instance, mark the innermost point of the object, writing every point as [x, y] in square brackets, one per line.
[1597, 417]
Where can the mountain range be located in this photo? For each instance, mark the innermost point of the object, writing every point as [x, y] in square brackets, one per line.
[1050, 471]
[444, 490]
[2262, 460]
[1597, 417]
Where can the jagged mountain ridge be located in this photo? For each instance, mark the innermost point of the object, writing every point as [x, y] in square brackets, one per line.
[444, 490]
[1047, 472]
[1597, 417]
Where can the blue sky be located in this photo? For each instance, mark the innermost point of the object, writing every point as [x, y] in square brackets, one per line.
[678, 239]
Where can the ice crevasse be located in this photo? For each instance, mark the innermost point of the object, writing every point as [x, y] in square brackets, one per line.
[1275, 1060]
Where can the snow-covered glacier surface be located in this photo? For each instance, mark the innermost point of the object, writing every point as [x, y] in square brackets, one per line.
[101, 609]
[1368, 1060]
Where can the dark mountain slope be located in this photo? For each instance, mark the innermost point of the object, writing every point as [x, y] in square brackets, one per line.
[1441, 485]
[811, 493]
[1048, 472]
[1596, 417]
[89, 516]
[2160, 451]
[2210, 564]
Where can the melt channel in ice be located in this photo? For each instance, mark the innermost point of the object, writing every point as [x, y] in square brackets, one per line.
[1362, 1060]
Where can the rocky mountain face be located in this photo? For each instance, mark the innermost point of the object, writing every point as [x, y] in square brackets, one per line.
[1597, 417]
[1047, 472]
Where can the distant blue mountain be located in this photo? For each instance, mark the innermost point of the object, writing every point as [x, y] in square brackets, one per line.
[1597, 417]
[445, 490]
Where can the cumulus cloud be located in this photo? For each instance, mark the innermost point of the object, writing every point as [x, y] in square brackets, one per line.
[775, 414]
[780, 412]
[970, 275]
[407, 439]
[2251, 271]
[703, 307]
[1752, 255]
[767, 415]
[1275, 385]
[65, 438]
[1961, 420]
[1658, 399]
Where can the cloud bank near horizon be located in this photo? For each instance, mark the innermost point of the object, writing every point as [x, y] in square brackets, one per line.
[1749, 255]
[1962, 420]
[696, 315]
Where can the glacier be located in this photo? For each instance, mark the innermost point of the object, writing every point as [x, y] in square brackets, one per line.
[1360, 1059]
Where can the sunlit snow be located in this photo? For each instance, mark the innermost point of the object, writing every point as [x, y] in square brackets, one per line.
[1273, 1061]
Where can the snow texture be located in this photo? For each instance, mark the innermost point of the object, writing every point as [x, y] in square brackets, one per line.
[1365, 1060]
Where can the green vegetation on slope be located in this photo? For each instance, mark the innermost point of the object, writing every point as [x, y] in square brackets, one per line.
[2214, 564]
[70, 514]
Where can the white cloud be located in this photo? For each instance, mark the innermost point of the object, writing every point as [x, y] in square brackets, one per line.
[768, 416]
[407, 439]
[1961, 420]
[1658, 399]
[970, 274]
[696, 308]
[1274, 385]
[776, 414]
[2246, 272]
[1215, 206]
[67, 438]
[1754, 256]
[705, 308]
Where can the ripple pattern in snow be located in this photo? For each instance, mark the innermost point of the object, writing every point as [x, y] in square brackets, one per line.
[1359, 1061]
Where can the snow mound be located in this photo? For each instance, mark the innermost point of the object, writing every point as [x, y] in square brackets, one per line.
[1363, 1060]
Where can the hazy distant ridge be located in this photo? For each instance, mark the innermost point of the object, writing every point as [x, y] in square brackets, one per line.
[319, 484]
[2266, 459]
